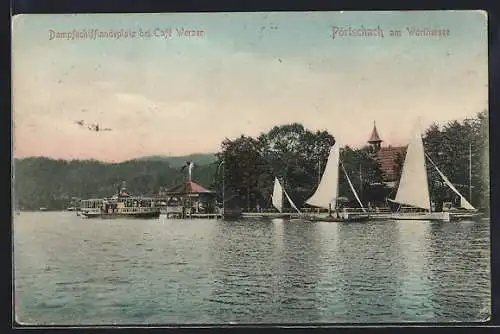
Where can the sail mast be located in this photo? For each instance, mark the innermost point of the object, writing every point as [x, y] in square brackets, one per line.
[470, 171]
[319, 170]
[319, 175]
[352, 187]
[282, 193]
[360, 181]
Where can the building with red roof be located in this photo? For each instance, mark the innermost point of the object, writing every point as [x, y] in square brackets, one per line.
[189, 187]
[389, 157]
[188, 197]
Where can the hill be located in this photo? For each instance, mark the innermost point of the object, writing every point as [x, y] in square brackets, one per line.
[44, 182]
[178, 161]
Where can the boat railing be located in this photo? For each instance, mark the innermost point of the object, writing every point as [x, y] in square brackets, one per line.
[174, 209]
[380, 210]
[139, 209]
[311, 210]
[411, 213]
[354, 210]
[90, 210]
[91, 203]
[408, 210]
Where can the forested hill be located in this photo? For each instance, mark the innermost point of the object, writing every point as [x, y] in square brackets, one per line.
[44, 182]
[198, 158]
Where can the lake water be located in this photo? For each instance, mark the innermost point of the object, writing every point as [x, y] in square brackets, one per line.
[74, 271]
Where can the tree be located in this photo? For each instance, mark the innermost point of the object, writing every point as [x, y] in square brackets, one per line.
[365, 174]
[243, 166]
[297, 156]
[460, 150]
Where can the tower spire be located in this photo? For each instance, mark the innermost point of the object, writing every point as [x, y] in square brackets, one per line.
[375, 140]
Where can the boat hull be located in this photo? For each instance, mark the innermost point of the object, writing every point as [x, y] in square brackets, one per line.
[439, 216]
[464, 215]
[135, 215]
[380, 216]
[270, 215]
[349, 217]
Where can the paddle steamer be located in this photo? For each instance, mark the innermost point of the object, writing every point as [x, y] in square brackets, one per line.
[121, 205]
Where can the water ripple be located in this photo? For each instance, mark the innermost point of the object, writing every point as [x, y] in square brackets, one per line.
[244, 272]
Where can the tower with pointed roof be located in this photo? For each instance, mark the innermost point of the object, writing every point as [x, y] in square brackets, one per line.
[386, 156]
[375, 140]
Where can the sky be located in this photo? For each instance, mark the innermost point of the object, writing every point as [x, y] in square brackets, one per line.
[240, 73]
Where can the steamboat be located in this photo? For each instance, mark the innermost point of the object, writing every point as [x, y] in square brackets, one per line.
[120, 205]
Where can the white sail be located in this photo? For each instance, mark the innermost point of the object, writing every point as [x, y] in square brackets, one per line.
[465, 204]
[326, 193]
[413, 188]
[292, 204]
[277, 196]
[353, 190]
[463, 201]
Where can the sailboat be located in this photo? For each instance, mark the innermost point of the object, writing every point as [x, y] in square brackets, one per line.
[466, 209]
[413, 190]
[326, 195]
[277, 199]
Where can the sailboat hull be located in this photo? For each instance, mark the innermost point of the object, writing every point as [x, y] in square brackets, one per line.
[343, 217]
[464, 215]
[270, 215]
[440, 216]
[355, 217]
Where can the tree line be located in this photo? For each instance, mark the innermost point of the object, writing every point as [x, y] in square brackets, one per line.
[460, 149]
[297, 157]
[248, 165]
[57, 184]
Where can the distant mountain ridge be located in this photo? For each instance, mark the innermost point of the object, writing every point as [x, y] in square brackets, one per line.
[42, 182]
[173, 161]
[178, 161]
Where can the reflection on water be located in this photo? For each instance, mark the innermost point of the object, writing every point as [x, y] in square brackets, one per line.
[299, 271]
[75, 271]
[414, 253]
[459, 270]
[244, 261]
[370, 265]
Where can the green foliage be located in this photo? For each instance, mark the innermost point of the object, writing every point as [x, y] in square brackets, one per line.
[55, 184]
[449, 147]
[294, 155]
[365, 174]
[297, 157]
[197, 158]
[243, 166]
